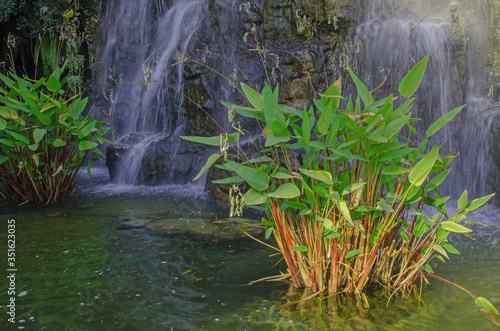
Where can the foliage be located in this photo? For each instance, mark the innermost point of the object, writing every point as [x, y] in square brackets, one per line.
[53, 32]
[363, 207]
[44, 138]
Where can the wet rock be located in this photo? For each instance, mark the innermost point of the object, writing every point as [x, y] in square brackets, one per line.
[207, 229]
[137, 224]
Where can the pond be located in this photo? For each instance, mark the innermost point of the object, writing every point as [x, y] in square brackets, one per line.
[78, 269]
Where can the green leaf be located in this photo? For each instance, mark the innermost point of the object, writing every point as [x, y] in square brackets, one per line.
[254, 197]
[85, 131]
[421, 170]
[345, 210]
[228, 180]
[462, 202]
[353, 187]
[272, 113]
[441, 250]
[411, 81]
[59, 143]
[428, 268]
[86, 145]
[436, 181]
[69, 14]
[403, 235]
[385, 206]
[324, 120]
[44, 118]
[3, 159]
[53, 84]
[212, 141]
[301, 248]
[454, 227]
[3, 124]
[286, 191]
[449, 248]
[478, 223]
[19, 137]
[478, 203]
[273, 139]
[306, 128]
[256, 179]
[8, 113]
[353, 252]
[253, 97]
[363, 92]
[77, 107]
[33, 147]
[210, 162]
[395, 170]
[320, 175]
[440, 122]
[38, 134]
[269, 231]
[482, 302]
[282, 175]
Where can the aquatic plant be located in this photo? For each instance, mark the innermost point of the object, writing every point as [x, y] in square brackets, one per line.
[350, 199]
[44, 138]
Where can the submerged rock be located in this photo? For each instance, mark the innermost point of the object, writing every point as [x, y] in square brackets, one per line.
[220, 230]
[136, 224]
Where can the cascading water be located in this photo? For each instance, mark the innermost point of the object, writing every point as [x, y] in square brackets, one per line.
[143, 46]
[396, 36]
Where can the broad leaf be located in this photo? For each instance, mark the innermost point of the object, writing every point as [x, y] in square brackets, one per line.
[454, 227]
[395, 170]
[256, 179]
[210, 162]
[411, 81]
[253, 97]
[286, 191]
[53, 84]
[462, 202]
[421, 170]
[212, 141]
[301, 248]
[59, 143]
[254, 197]
[320, 175]
[353, 252]
[440, 122]
[86, 145]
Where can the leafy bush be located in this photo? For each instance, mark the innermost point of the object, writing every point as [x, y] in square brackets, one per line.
[44, 137]
[363, 208]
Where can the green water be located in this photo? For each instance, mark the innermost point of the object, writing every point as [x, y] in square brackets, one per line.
[77, 271]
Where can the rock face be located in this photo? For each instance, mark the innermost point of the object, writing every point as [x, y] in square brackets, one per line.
[288, 43]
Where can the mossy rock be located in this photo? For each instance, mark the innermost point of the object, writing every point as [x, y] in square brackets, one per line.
[219, 230]
[135, 224]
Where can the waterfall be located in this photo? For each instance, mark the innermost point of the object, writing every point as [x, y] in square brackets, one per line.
[398, 34]
[144, 42]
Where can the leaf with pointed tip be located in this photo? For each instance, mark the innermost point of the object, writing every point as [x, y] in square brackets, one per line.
[285, 191]
[440, 122]
[255, 178]
[253, 97]
[254, 197]
[301, 248]
[421, 170]
[210, 162]
[454, 227]
[411, 81]
[353, 253]
[462, 202]
[320, 175]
